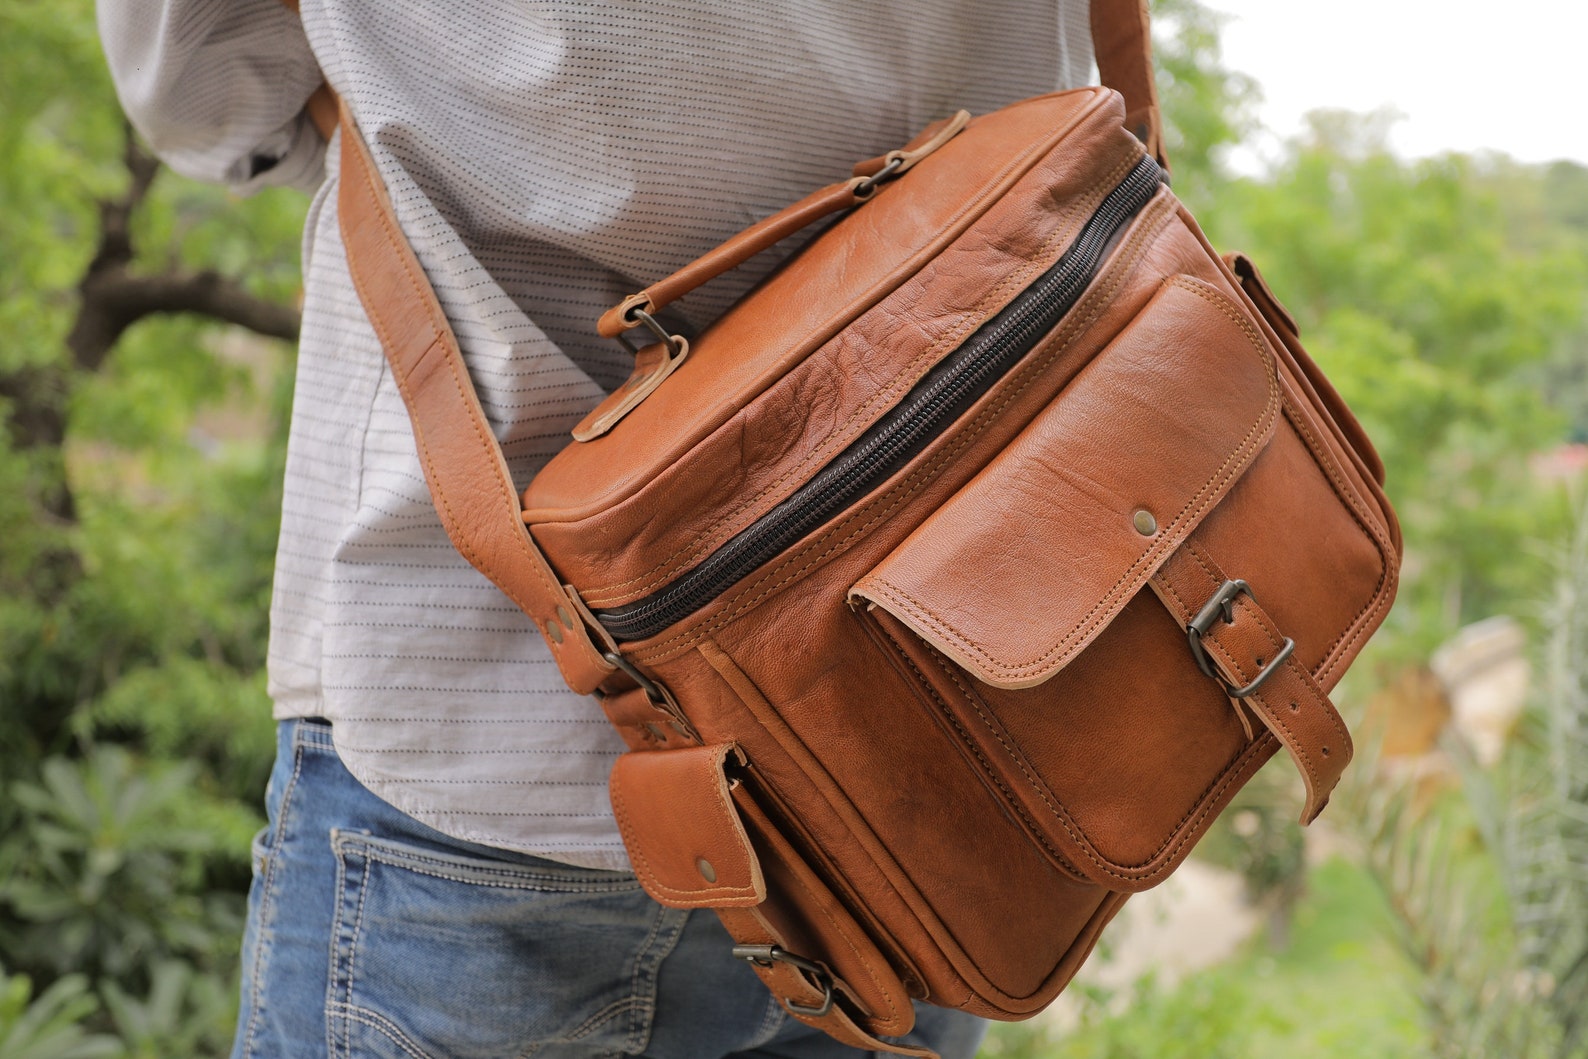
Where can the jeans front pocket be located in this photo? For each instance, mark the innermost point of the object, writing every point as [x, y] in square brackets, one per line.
[431, 949]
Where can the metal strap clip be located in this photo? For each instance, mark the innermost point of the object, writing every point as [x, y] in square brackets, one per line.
[638, 317]
[767, 955]
[865, 188]
[1221, 607]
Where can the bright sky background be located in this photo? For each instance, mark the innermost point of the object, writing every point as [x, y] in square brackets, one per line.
[1509, 75]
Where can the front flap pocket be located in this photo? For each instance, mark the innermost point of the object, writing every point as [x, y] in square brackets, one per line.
[1027, 564]
[688, 845]
[1019, 609]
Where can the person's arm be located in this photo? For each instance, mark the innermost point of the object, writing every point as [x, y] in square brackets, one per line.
[217, 87]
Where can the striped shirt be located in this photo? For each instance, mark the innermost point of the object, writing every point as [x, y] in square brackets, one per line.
[545, 160]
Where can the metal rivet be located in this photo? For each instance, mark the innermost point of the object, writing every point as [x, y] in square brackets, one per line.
[707, 872]
[562, 616]
[1145, 524]
[554, 631]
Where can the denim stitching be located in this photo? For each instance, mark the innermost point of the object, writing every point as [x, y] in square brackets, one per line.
[333, 1008]
[352, 950]
[339, 982]
[585, 1028]
[411, 859]
[644, 1013]
[375, 1021]
[262, 940]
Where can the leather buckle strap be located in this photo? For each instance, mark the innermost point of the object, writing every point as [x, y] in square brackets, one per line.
[1221, 607]
[1256, 665]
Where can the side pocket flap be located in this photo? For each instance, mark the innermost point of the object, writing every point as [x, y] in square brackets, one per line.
[683, 833]
[1022, 568]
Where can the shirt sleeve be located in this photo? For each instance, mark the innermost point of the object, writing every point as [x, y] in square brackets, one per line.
[217, 87]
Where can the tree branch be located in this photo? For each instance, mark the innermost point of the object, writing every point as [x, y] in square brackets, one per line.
[113, 300]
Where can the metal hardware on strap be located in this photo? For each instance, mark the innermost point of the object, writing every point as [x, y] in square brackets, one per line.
[658, 696]
[1221, 607]
[865, 187]
[767, 955]
[653, 691]
[639, 317]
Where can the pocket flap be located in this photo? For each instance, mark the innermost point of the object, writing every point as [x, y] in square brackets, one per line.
[1022, 568]
[683, 833]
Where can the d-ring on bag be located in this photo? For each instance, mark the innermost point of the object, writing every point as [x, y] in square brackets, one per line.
[943, 608]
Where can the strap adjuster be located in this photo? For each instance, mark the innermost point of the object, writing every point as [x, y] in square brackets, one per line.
[767, 955]
[1221, 607]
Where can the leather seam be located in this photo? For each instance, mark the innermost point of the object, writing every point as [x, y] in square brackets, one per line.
[642, 863]
[987, 766]
[364, 166]
[1276, 640]
[1204, 499]
[1379, 601]
[881, 507]
[1299, 748]
[904, 379]
[1170, 846]
[838, 926]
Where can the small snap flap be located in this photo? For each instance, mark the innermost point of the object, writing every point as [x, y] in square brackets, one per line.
[684, 834]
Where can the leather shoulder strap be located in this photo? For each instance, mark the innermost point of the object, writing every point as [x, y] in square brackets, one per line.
[463, 463]
[1122, 46]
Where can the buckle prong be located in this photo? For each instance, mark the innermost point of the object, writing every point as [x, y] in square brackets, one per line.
[1221, 607]
[821, 978]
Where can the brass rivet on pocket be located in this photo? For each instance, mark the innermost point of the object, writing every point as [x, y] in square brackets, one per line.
[554, 631]
[707, 872]
[1145, 524]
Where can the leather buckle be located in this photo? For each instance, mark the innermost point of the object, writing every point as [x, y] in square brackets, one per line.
[767, 955]
[1221, 607]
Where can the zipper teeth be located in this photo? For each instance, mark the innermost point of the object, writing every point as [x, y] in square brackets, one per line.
[967, 374]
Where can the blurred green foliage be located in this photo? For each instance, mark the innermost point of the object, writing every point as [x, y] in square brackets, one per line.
[1445, 298]
[135, 559]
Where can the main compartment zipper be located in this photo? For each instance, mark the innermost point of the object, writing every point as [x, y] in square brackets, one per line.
[941, 396]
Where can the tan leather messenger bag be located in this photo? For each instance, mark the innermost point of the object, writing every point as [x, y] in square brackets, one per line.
[949, 585]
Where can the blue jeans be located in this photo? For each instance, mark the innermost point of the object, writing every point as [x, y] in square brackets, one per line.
[370, 934]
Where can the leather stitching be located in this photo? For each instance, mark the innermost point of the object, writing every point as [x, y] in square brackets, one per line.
[824, 908]
[1156, 216]
[907, 377]
[700, 898]
[1379, 601]
[1214, 787]
[364, 168]
[1128, 582]
[1300, 750]
[971, 744]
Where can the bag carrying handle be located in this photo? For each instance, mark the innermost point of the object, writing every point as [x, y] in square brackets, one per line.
[867, 177]
[1122, 47]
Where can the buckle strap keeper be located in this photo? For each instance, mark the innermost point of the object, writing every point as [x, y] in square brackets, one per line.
[1231, 635]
